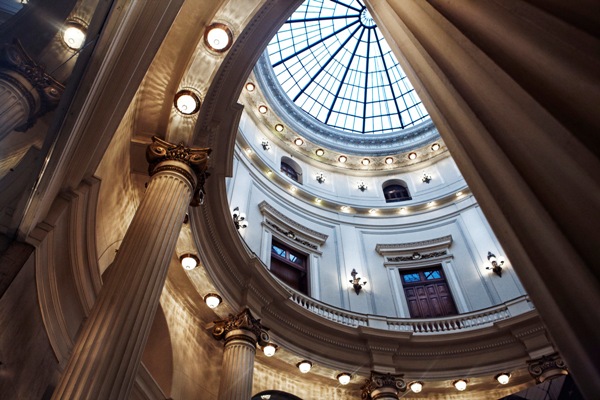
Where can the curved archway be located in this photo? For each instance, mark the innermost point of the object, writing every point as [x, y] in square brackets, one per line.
[395, 190]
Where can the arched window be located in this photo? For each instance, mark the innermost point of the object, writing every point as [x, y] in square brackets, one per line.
[291, 169]
[395, 190]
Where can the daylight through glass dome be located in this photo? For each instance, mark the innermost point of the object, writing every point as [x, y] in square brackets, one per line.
[333, 62]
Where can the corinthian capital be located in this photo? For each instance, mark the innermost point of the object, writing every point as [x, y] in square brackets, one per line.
[242, 321]
[381, 385]
[194, 157]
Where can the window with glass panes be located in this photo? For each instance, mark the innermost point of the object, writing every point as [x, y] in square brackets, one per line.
[290, 266]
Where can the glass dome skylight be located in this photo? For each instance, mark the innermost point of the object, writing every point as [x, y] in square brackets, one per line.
[333, 62]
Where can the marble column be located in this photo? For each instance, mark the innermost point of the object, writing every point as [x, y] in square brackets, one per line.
[383, 387]
[26, 91]
[240, 334]
[513, 88]
[109, 348]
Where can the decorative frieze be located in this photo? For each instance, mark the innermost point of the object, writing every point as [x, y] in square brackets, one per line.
[160, 151]
[412, 253]
[418, 256]
[382, 386]
[547, 367]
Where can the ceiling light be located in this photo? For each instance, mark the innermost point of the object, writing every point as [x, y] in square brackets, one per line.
[320, 152]
[248, 151]
[403, 210]
[269, 349]
[189, 261]
[250, 86]
[345, 208]
[416, 387]
[365, 161]
[460, 384]
[458, 194]
[218, 37]
[503, 378]
[389, 160]
[317, 200]
[279, 128]
[342, 159]
[74, 35]
[431, 203]
[304, 366]
[435, 146]
[344, 378]
[293, 188]
[212, 300]
[187, 102]
[412, 156]
[263, 109]
[298, 142]
[373, 211]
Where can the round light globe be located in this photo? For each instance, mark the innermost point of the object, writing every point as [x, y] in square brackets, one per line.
[304, 366]
[189, 261]
[503, 378]
[460, 385]
[212, 300]
[269, 350]
[344, 378]
[416, 387]
[219, 37]
[74, 36]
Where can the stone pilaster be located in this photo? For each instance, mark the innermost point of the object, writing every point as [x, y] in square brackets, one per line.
[240, 334]
[109, 348]
[26, 90]
[383, 387]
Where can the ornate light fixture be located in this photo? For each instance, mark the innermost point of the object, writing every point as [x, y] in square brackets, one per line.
[189, 261]
[320, 178]
[187, 102]
[239, 219]
[212, 300]
[416, 386]
[265, 145]
[269, 349]
[344, 378]
[355, 281]
[460, 384]
[74, 35]
[496, 264]
[426, 178]
[304, 366]
[218, 37]
[362, 186]
[503, 378]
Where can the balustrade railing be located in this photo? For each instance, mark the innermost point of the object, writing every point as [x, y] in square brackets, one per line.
[451, 324]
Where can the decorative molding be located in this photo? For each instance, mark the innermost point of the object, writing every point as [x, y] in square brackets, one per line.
[547, 367]
[383, 386]
[414, 252]
[194, 157]
[418, 256]
[242, 321]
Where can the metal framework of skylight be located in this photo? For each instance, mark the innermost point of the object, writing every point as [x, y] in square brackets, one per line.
[333, 62]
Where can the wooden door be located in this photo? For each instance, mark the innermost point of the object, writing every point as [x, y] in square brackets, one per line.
[427, 293]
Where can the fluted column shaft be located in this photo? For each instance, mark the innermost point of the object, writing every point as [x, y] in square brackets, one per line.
[238, 365]
[15, 104]
[108, 351]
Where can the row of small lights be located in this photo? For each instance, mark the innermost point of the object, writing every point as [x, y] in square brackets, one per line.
[263, 109]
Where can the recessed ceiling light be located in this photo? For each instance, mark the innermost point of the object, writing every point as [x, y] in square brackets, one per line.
[218, 37]
[320, 152]
[373, 211]
[263, 109]
[298, 142]
[431, 203]
[342, 159]
[435, 146]
[248, 151]
[279, 128]
[365, 161]
[187, 102]
[403, 210]
[344, 208]
[412, 156]
[389, 160]
[74, 35]
[189, 261]
[250, 86]
[317, 200]
[458, 194]
[293, 188]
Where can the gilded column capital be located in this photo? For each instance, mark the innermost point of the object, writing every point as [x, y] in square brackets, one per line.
[243, 321]
[547, 367]
[194, 157]
[18, 68]
[383, 386]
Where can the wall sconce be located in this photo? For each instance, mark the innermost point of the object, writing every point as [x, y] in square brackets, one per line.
[266, 145]
[355, 281]
[344, 378]
[212, 300]
[269, 349]
[426, 178]
[320, 178]
[189, 261]
[239, 219]
[496, 265]
[362, 186]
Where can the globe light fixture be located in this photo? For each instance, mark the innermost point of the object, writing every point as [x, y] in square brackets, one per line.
[412, 156]
[250, 86]
[365, 161]
[416, 386]
[460, 384]
[212, 300]
[304, 366]
[218, 37]
[389, 160]
[189, 261]
[269, 349]
[74, 35]
[263, 109]
[187, 102]
[344, 378]
[342, 159]
[320, 152]
[503, 378]
[298, 142]
[435, 146]
[279, 128]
